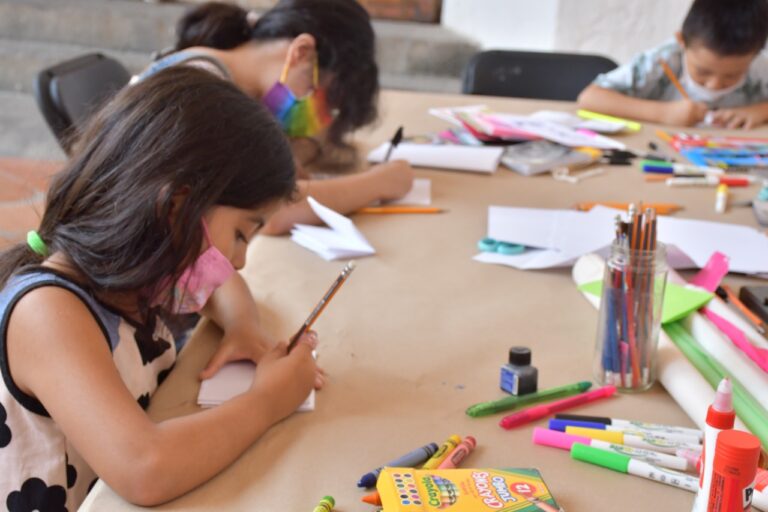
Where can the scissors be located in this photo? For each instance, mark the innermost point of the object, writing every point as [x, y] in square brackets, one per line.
[492, 245]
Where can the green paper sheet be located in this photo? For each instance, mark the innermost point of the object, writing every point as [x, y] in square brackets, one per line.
[679, 301]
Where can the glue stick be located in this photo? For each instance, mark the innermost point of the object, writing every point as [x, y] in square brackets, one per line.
[720, 417]
[733, 472]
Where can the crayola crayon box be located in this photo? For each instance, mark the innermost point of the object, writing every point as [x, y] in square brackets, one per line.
[464, 490]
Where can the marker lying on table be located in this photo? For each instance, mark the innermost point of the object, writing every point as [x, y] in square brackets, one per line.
[640, 425]
[539, 411]
[625, 464]
[646, 441]
[555, 439]
[348, 268]
[711, 181]
[663, 167]
[409, 460]
[513, 402]
[561, 425]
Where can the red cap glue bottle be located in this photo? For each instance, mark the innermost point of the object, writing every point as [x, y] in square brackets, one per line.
[733, 472]
[720, 416]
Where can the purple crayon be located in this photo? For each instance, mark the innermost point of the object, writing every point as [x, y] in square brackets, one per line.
[409, 460]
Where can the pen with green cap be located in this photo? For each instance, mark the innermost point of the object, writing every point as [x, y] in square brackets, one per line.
[512, 402]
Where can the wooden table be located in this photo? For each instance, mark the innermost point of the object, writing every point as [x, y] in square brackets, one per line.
[419, 332]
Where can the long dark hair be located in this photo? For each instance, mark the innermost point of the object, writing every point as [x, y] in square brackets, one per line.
[343, 34]
[182, 129]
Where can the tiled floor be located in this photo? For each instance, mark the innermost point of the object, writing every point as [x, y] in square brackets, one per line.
[22, 193]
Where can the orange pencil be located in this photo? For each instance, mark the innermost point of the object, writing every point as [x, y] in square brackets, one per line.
[673, 79]
[734, 299]
[661, 208]
[400, 209]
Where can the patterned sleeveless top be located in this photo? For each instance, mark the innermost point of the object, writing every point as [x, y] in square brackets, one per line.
[41, 470]
[187, 57]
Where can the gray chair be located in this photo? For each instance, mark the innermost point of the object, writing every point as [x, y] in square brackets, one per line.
[69, 92]
[536, 75]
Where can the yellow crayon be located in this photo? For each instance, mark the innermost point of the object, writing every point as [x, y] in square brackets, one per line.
[445, 449]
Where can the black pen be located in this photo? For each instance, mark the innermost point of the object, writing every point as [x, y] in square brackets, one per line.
[394, 142]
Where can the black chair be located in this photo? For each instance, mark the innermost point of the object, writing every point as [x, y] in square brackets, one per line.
[69, 92]
[536, 75]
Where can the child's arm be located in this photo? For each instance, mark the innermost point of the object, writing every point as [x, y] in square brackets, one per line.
[233, 308]
[65, 363]
[345, 194]
[747, 117]
[608, 101]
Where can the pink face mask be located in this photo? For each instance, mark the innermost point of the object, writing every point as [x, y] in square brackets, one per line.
[198, 281]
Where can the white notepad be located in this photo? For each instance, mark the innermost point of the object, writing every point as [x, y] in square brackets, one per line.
[235, 379]
[340, 240]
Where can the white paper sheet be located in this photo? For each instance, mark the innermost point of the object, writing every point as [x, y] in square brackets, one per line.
[443, 156]
[573, 234]
[235, 379]
[341, 239]
[419, 195]
[679, 377]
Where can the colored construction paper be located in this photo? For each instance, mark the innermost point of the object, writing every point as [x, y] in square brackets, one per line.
[679, 301]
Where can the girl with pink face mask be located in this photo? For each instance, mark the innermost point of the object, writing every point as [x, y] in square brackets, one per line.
[312, 64]
[150, 218]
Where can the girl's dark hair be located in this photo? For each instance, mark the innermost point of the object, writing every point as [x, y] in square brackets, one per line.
[181, 130]
[343, 34]
[733, 27]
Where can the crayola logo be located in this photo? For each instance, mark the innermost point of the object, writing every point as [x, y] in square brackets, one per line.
[433, 495]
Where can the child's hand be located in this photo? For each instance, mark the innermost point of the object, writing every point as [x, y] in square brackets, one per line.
[739, 117]
[285, 380]
[395, 178]
[246, 344]
[683, 113]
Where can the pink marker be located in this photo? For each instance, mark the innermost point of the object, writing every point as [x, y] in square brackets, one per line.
[556, 439]
[539, 411]
[459, 453]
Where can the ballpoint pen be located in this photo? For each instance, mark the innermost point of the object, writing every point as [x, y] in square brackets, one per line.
[396, 138]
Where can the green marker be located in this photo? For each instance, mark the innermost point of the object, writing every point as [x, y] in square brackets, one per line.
[326, 504]
[625, 464]
[513, 402]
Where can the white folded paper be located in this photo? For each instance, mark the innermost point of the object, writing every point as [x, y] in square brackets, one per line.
[340, 240]
[235, 379]
[483, 159]
[563, 235]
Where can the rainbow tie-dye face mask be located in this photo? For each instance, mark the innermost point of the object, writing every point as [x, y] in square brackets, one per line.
[299, 117]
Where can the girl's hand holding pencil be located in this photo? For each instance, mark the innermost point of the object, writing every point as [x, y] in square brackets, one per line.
[284, 380]
[683, 112]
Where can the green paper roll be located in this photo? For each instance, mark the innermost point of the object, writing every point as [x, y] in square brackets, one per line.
[749, 411]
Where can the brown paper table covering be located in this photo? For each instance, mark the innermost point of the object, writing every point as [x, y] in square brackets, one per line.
[418, 333]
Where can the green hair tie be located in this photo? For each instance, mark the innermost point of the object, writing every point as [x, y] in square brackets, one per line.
[36, 243]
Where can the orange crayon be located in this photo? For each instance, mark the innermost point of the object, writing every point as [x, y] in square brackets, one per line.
[372, 499]
[459, 453]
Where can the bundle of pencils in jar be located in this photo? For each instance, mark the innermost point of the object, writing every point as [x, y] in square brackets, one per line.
[630, 309]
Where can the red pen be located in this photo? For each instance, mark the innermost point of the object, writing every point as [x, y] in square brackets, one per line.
[539, 411]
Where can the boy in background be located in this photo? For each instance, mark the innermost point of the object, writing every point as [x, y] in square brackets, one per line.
[717, 58]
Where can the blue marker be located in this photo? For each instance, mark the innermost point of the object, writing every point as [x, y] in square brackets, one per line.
[409, 460]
